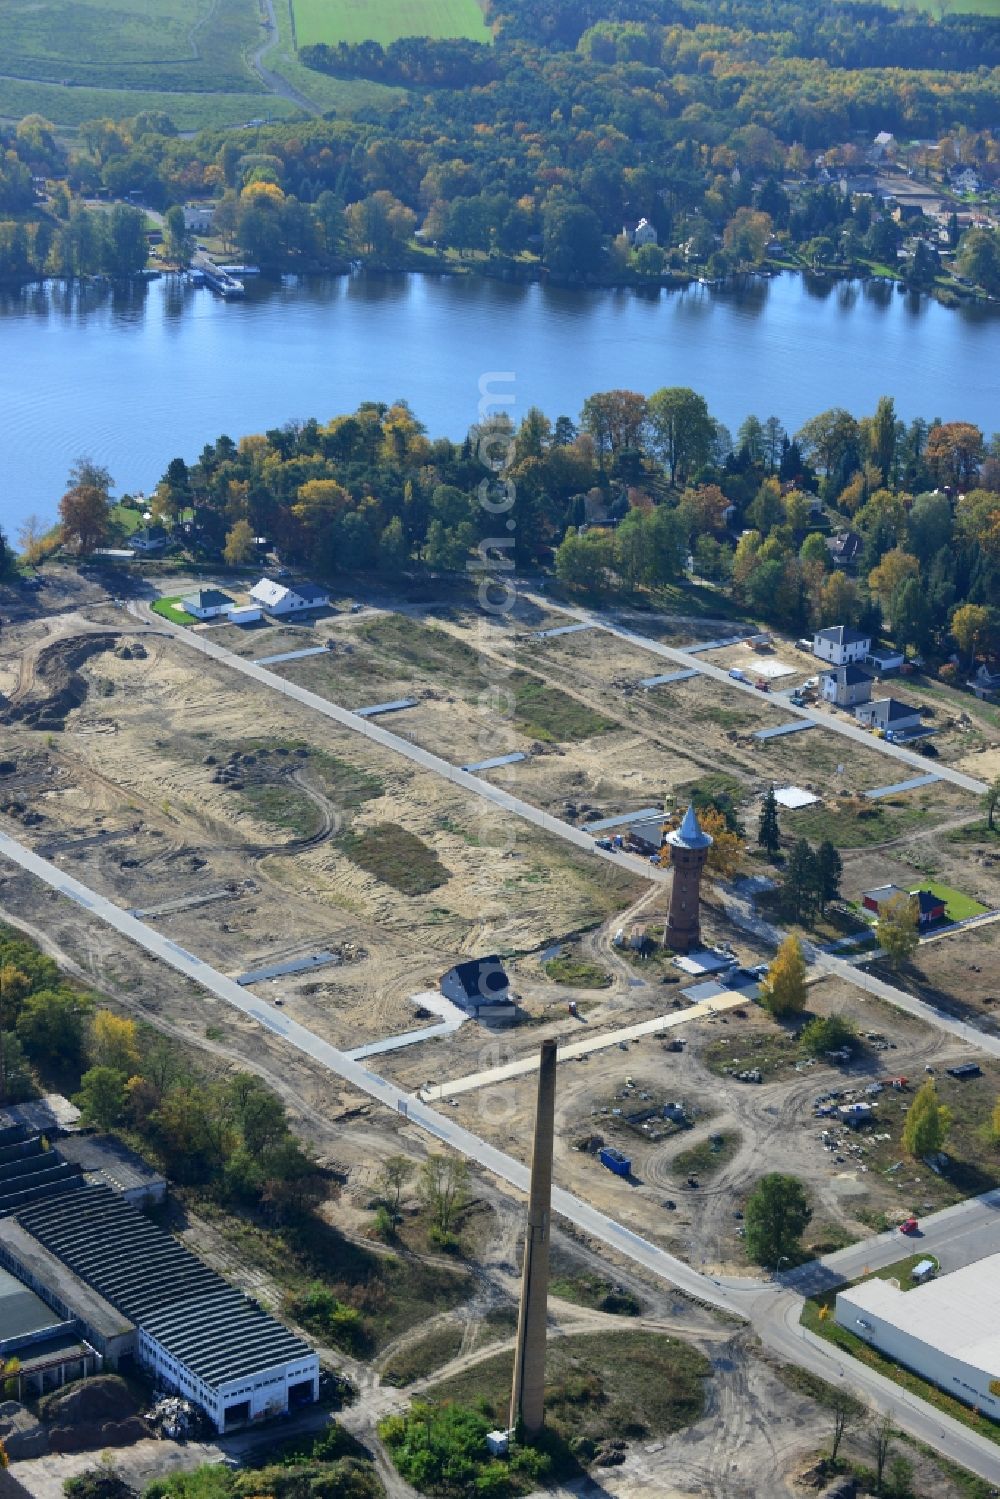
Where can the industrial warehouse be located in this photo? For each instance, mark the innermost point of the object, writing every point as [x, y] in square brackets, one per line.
[103, 1285]
[947, 1330]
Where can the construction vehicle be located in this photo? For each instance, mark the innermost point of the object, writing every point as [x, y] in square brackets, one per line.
[762, 684]
[899, 1083]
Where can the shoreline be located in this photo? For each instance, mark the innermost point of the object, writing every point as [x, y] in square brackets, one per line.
[515, 273]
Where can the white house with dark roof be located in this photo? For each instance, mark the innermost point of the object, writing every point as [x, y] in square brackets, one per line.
[847, 686]
[891, 716]
[840, 645]
[207, 603]
[282, 599]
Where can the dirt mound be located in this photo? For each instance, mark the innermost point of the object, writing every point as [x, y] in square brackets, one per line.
[91, 1403]
[59, 687]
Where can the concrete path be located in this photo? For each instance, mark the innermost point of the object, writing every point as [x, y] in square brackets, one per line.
[572, 1050]
[451, 1020]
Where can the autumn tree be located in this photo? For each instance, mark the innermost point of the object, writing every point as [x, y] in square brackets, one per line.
[240, 546]
[83, 511]
[970, 625]
[927, 1122]
[954, 452]
[783, 989]
[113, 1042]
[615, 420]
[897, 929]
[886, 580]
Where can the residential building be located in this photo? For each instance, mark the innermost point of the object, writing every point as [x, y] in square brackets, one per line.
[891, 718]
[946, 1330]
[846, 686]
[644, 234]
[930, 907]
[281, 599]
[985, 683]
[148, 539]
[881, 145]
[207, 603]
[840, 645]
[844, 548]
[481, 988]
[198, 217]
[875, 900]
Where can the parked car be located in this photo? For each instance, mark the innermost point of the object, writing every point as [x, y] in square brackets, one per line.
[762, 684]
[909, 1227]
[736, 674]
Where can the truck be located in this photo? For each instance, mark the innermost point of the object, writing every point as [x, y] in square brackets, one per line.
[615, 1161]
[762, 684]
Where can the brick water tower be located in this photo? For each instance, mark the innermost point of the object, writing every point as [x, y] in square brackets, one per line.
[689, 848]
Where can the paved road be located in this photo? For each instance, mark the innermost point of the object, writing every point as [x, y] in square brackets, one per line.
[771, 1309]
[961, 1029]
[395, 742]
[836, 724]
[267, 76]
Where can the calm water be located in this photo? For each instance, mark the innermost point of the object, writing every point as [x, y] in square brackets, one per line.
[134, 376]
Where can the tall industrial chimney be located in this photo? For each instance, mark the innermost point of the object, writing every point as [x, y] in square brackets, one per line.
[527, 1399]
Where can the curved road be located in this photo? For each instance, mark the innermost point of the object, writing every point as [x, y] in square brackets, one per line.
[274, 81]
[771, 1309]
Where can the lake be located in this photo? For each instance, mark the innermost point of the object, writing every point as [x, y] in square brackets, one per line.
[135, 375]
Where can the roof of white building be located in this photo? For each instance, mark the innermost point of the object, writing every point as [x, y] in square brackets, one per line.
[958, 1314]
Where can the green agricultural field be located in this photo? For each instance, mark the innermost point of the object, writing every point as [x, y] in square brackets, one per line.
[186, 58]
[385, 21]
[961, 7]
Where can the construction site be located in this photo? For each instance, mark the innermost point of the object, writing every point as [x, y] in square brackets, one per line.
[438, 789]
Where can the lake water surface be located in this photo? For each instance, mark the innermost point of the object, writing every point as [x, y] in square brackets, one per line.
[136, 375]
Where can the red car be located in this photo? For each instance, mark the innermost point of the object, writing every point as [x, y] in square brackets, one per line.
[909, 1227]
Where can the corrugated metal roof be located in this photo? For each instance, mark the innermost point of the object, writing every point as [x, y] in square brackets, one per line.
[165, 1290]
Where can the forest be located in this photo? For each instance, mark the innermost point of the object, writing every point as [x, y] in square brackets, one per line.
[723, 126]
[636, 495]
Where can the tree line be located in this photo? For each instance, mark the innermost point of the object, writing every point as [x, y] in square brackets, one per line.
[636, 493]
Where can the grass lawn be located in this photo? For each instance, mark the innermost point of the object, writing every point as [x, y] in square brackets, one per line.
[856, 824]
[629, 1384]
[960, 906]
[114, 58]
[386, 20]
[168, 609]
[418, 1359]
[708, 1157]
[396, 857]
[578, 972]
[546, 713]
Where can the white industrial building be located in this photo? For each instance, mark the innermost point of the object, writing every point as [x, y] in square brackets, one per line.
[132, 1289]
[946, 1330]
